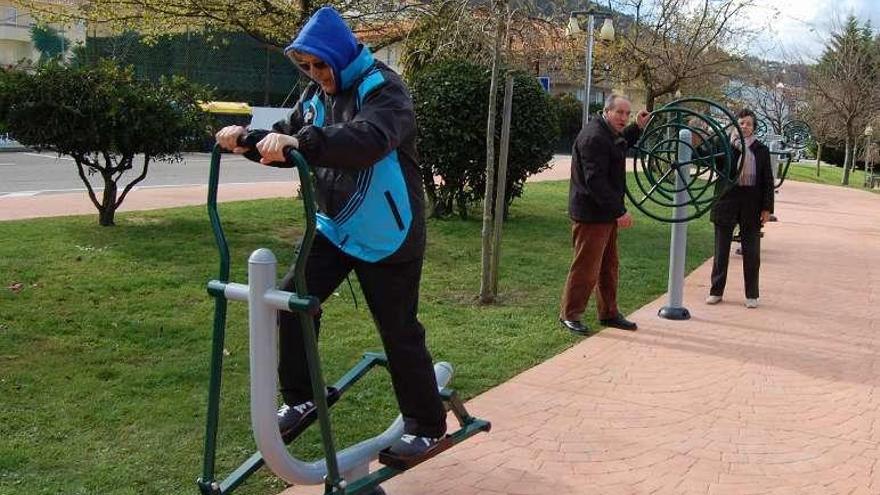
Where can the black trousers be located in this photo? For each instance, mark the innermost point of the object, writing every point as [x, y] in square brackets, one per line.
[751, 255]
[392, 294]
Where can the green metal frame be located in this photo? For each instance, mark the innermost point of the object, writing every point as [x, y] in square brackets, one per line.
[649, 152]
[306, 307]
[787, 155]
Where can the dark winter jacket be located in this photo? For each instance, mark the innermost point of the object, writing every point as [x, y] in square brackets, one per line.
[743, 205]
[598, 172]
[361, 143]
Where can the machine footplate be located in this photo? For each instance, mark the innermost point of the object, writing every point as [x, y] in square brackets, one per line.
[389, 459]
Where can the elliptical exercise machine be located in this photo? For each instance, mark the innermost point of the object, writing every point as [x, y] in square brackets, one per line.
[344, 472]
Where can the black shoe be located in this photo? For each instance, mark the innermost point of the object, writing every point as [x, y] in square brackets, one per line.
[290, 418]
[412, 446]
[619, 322]
[575, 326]
[293, 420]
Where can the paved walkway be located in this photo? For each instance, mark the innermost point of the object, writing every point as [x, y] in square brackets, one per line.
[779, 400]
[783, 399]
[77, 203]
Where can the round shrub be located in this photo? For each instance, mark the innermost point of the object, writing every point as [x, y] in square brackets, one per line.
[451, 101]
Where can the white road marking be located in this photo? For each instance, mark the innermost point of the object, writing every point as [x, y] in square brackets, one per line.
[19, 194]
[50, 157]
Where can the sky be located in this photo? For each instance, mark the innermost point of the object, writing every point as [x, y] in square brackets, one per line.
[798, 29]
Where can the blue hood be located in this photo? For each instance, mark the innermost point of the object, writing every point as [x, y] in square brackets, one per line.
[328, 37]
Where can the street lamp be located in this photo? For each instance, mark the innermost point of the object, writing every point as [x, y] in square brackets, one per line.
[869, 163]
[605, 34]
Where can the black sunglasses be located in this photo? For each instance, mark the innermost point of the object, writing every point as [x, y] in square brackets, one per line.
[307, 67]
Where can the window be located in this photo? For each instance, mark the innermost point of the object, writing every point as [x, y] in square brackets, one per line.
[10, 16]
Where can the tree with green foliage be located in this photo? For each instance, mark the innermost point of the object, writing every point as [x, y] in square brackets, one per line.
[103, 118]
[846, 80]
[49, 42]
[452, 100]
[569, 112]
[10, 86]
[271, 22]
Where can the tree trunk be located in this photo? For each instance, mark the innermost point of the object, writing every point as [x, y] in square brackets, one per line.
[305, 11]
[107, 211]
[462, 206]
[501, 190]
[487, 296]
[430, 194]
[649, 100]
[847, 158]
[818, 158]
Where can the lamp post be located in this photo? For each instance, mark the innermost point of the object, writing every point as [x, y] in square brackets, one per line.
[869, 163]
[779, 107]
[605, 34]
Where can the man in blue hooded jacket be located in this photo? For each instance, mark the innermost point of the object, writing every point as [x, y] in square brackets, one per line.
[355, 124]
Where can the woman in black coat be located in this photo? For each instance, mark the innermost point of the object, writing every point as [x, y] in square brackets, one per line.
[748, 204]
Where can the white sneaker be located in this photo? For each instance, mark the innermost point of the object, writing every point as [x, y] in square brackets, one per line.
[751, 303]
[713, 299]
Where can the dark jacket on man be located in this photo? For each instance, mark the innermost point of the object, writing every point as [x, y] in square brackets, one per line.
[743, 205]
[598, 172]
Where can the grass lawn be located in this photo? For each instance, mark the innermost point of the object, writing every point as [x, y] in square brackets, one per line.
[104, 351]
[830, 175]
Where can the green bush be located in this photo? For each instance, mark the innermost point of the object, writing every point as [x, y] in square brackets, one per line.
[50, 42]
[102, 117]
[10, 86]
[569, 112]
[451, 99]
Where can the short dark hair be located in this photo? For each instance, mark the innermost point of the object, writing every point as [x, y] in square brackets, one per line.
[745, 112]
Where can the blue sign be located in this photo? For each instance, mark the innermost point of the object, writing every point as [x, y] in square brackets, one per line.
[545, 82]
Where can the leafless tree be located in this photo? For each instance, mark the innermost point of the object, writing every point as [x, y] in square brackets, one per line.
[669, 44]
[823, 127]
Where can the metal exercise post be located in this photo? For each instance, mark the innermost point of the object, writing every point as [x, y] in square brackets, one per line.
[683, 164]
[675, 309]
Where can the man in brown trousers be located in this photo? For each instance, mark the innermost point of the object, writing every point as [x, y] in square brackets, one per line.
[598, 180]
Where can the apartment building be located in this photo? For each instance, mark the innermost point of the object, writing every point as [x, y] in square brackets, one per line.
[16, 41]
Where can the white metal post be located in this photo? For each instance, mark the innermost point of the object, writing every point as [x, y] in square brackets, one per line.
[589, 78]
[675, 309]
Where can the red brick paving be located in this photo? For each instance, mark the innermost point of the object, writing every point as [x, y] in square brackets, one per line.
[777, 400]
[78, 203]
